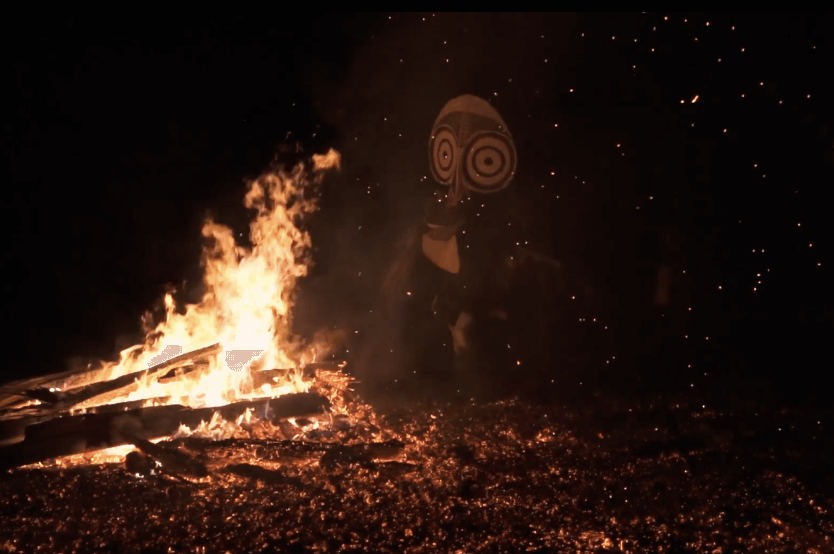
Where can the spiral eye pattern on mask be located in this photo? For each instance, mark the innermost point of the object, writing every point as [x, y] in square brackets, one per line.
[489, 163]
[443, 149]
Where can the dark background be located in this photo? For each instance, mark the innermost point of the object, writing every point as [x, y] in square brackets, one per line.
[122, 133]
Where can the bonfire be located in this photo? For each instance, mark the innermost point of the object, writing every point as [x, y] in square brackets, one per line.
[227, 367]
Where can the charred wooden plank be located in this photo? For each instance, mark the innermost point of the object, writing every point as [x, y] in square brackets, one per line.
[361, 453]
[65, 402]
[172, 460]
[44, 395]
[72, 397]
[14, 391]
[276, 376]
[12, 430]
[395, 468]
[330, 365]
[177, 373]
[329, 454]
[266, 449]
[88, 432]
[139, 464]
[269, 377]
[268, 476]
[123, 406]
[162, 421]
[14, 422]
[21, 392]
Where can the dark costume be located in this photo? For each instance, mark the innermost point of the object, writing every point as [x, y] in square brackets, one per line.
[470, 151]
[473, 286]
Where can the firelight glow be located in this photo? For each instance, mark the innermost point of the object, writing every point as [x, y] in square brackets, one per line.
[247, 304]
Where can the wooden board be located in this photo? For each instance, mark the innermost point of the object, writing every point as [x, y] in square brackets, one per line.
[67, 435]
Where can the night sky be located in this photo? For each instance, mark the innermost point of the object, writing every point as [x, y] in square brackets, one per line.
[121, 137]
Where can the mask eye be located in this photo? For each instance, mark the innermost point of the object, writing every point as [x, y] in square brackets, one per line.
[443, 152]
[489, 163]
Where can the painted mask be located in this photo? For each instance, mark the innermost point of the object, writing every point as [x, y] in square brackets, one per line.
[471, 149]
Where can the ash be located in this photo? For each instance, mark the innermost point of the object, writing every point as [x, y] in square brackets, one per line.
[669, 474]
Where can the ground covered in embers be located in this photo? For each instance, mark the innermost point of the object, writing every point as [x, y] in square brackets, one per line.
[667, 475]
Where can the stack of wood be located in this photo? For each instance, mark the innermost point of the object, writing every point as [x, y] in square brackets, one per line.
[52, 427]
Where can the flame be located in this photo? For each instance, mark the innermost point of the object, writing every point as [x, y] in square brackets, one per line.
[247, 305]
[217, 428]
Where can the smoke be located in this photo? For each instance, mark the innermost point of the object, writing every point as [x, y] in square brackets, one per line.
[379, 108]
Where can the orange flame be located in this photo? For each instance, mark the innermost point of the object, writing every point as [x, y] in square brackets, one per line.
[247, 304]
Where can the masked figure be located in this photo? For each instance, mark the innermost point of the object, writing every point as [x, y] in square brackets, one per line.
[470, 151]
[496, 298]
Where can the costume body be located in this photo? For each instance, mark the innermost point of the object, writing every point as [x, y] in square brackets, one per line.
[470, 151]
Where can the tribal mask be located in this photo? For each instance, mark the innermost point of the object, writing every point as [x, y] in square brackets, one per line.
[471, 148]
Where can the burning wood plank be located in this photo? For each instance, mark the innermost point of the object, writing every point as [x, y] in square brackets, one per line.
[330, 455]
[268, 476]
[173, 460]
[64, 400]
[265, 449]
[275, 376]
[364, 454]
[178, 366]
[180, 372]
[14, 420]
[381, 456]
[68, 435]
[14, 393]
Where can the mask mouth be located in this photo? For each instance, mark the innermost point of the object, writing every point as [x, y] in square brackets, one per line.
[442, 214]
[441, 232]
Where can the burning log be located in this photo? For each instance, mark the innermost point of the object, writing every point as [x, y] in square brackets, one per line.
[179, 372]
[137, 463]
[67, 435]
[268, 476]
[14, 420]
[275, 376]
[36, 414]
[11, 430]
[272, 377]
[14, 393]
[271, 450]
[377, 454]
[67, 399]
[340, 455]
[380, 456]
[172, 460]
[395, 468]
[332, 365]
[177, 367]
